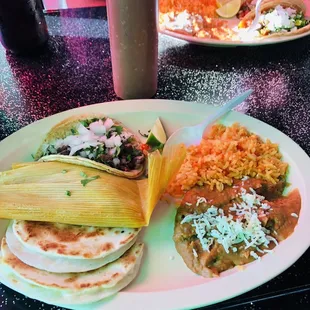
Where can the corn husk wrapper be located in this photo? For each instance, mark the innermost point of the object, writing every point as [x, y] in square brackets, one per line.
[39, 191]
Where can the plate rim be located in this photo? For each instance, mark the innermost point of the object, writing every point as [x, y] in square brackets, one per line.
[223, 43]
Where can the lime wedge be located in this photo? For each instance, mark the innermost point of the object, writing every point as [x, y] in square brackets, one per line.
[229, 9]
[157, 135]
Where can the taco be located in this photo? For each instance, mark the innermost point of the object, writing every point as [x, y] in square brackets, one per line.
[94, 141]
[278, 18]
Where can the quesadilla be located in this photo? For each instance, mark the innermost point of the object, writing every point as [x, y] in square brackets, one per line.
[62, 248]
[94, 141]
[278, 18]
[70, 288]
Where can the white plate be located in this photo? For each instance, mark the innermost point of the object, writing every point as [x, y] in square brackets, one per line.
[222, 43]
[165, 283]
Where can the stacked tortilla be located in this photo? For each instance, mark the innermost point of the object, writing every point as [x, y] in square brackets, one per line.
[69, 264]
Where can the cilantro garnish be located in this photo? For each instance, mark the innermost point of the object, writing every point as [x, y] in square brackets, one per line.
[68, 193]
[83, 174]
[85, 123]
[86, 181]
[118, 129]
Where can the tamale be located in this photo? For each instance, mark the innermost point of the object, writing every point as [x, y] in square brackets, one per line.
[68, 193]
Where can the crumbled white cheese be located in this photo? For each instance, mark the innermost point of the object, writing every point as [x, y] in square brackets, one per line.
[227, 231]
[294, 215]
[274, 240]
[183, 21]
[195, 253]
[254, 255]
[268, 251]
[188, 204]
[200, 200]
[259, 250]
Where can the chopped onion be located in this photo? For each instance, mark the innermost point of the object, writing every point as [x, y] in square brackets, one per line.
[116, 161]
[125, 135]
[72, 141]
[110, 142]
[98, 128]
[89, 137]
[117, 141]
[103, 139]
[82, 146]
[112, 151]
[108, 123]
[82, 130]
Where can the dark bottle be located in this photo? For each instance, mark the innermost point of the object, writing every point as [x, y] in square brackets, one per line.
[23, 28]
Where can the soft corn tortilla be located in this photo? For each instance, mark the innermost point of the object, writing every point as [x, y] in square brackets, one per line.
[63, 129]
[68, 288]
[299, 5]
[67, 248]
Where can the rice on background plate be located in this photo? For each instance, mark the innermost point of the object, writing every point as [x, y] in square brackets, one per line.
[202, 7]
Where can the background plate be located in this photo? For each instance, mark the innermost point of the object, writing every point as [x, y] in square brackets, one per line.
[164, 282]
[221, 43]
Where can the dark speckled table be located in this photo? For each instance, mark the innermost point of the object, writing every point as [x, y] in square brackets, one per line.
[76, 71]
